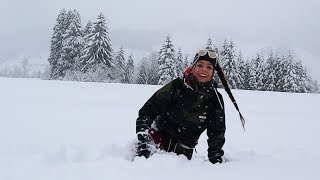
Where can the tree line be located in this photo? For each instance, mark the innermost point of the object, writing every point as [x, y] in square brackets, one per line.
[86, 54]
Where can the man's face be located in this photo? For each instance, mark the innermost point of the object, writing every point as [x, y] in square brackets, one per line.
[203, 71]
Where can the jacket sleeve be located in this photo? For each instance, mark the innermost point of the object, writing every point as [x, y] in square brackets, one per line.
[216, 131]
[154, 107]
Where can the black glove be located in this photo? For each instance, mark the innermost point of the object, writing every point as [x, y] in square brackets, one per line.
[143, 149]
[217, 158]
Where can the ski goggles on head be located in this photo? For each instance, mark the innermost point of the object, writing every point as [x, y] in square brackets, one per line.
[212, 54]
[208, 55]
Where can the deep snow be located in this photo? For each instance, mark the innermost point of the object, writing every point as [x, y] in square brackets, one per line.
[74, 130]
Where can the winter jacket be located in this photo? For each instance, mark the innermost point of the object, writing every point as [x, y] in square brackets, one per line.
[183, 112]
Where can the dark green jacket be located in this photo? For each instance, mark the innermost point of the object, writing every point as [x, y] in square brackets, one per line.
[183, 113]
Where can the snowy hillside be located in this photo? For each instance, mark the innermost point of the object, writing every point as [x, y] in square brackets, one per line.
[82, 131]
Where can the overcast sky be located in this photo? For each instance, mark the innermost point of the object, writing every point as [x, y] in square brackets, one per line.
[141, 25]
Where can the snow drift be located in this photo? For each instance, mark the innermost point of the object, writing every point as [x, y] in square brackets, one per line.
[75, 130]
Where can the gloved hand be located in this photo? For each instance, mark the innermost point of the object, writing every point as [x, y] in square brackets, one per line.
[217, 158]
[143, 150]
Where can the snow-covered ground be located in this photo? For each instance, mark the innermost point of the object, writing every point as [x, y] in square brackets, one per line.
[73, 130]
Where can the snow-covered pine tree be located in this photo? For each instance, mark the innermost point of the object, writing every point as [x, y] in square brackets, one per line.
[304, 80]
[180, 65]
[56, 43]
[25, 67]
[246, 77]
[259, 68]
[120, 68]
[282, 72]
[252, 81]
[143, 75]
[209, 44]
[129, 70]
[87, 29]
[98, 51]
[72, 44]
[186, 62]
[316, 87]
[167, 63]
[229, 65]
[279, 70]
[148, 68]
[243, 71]
[269, 73]
[290, 78]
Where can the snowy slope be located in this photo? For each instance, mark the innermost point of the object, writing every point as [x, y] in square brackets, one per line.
[72, 131]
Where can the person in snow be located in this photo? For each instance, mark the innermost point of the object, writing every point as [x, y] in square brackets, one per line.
[177, 114]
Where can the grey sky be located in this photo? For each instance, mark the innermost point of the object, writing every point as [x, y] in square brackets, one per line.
[141, 25]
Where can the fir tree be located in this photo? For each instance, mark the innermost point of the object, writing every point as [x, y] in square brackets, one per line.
[316, 87]
[304, 80]
[270, 74]
[56, 43]
[186, 62]
[98, 50]
[290, 78]
[148, 68]
[281, 72]
[143, 75]
[120, 65]
[72, 45]
[252, 81]
[243, 71]
[229, 65]
[87, 29]
[129, 70]
[25, 67]
[209, 44]
[167, 66]
[259, 67]
[180, 65]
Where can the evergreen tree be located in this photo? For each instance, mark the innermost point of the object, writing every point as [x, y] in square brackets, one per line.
[25, 67]
[148, 68]
[259, 67]
[316, 87]
[120, 65]
[281, 72]
[143, 75]
[290, 78]
[209, 44]
[129, 70]
[87, 29]
[270, 74]
[98, 51]
[167, 66]
[243, 71]
[186, 62]
[180, 65]
[246, 74]
[56, 43]
[229, 65]
[72, 44]
[304, 80]
[252, 82]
